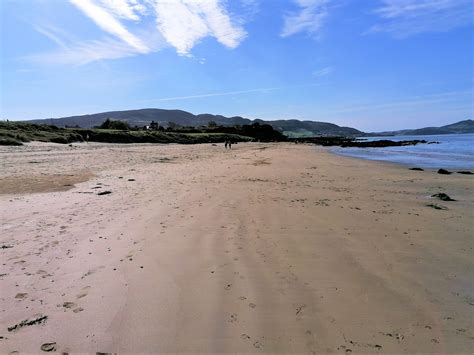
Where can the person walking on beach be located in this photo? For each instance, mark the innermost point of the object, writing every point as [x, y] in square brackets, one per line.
[225, 144]
[230, 144]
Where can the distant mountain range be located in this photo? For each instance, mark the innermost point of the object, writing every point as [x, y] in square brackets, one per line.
[292, 128]
[466, 126]
[143, 117]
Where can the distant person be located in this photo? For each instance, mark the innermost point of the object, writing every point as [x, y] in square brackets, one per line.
[225, 144]
[87, 138]
[230, 144]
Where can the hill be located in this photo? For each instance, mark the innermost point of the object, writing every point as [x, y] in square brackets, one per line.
[291, 128]
[140, 118]
[461, 127]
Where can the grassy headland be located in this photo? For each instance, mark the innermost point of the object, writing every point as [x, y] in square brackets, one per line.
[16, 133]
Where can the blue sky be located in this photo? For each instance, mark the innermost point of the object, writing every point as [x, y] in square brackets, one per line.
[369, 64]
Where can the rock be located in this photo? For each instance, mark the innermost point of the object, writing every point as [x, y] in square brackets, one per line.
[417, 169]
[353, 142]
[104, 193]
[443, 172]
[48, 347]
[443, 197]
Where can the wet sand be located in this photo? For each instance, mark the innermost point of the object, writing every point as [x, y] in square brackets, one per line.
[264, 248]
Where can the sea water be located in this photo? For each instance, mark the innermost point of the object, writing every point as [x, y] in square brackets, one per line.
[454, 151]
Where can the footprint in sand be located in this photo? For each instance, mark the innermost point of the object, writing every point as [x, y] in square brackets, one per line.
[21, 296]
[233, 318]
[48, 347]
[252, 305]
[69, 305]
[84, 292]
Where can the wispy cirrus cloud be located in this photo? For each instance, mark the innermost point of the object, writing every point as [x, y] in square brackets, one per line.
[127, 32]
[125, 9]
[403, 18]
[109, 23]
[323, 72]
[309, 18]
[231, 93]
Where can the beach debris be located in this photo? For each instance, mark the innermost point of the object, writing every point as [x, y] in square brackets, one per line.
[443, 197]
[437, 207]
[6, 246]
[417, 169]
[27, 322]
[300, 308]
[104, 193]
[131, 179]
[466, 172]
[48, 347]
[443, 172]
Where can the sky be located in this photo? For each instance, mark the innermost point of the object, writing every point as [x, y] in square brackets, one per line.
[369, 64]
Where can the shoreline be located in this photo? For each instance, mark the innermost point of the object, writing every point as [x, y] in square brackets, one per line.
[262, 248]
[435, 159]
[398, 164]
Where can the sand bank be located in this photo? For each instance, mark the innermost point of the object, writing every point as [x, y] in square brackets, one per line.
[265, 248]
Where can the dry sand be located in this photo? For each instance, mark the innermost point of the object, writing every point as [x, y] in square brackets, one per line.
[265, 248]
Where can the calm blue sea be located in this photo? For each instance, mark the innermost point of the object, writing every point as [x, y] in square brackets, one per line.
[455, 151]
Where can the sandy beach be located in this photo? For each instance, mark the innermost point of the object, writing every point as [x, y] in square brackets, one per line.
[261, 249]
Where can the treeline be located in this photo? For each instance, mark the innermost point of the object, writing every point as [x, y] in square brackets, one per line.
[258, 131]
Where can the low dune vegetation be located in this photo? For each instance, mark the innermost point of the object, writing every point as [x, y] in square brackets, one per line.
[17, 133]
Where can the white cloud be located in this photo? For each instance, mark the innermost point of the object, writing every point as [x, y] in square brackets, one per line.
[184, 22]
[309, 18]
[53, 34]
[179, 23]
[403, 18]
[125, 9]
[85, 52]
[110, 24]
[323, 72]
